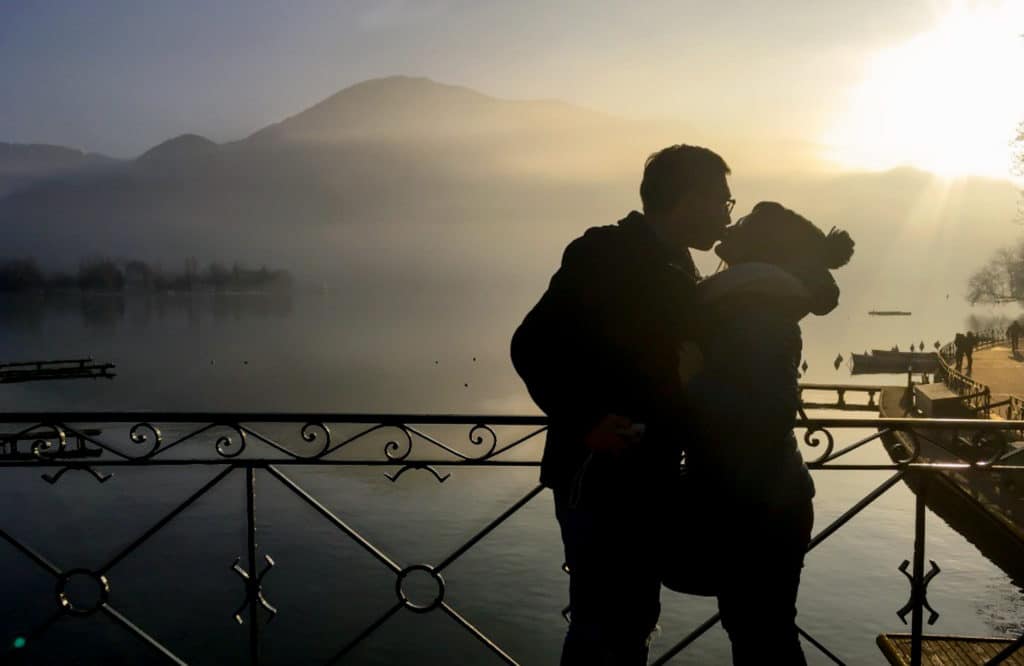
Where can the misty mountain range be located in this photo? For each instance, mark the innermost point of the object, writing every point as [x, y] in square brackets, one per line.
[403, 177]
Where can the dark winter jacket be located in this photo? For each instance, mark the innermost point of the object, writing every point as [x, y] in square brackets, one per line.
[603, 339]
[743, 403]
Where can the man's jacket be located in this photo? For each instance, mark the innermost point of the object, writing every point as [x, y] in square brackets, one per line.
[603, 339]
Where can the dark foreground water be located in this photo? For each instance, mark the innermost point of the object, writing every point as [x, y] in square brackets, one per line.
[413, 354]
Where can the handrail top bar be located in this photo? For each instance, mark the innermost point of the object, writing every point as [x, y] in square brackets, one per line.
[440, 419]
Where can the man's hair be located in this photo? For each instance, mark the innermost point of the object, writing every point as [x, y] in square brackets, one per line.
[675, 171]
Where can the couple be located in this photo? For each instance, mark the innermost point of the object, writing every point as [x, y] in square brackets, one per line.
[638, 362]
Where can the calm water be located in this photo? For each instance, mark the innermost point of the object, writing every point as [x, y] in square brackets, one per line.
[420, 352]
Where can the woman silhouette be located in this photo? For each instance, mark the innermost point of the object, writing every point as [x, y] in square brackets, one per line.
[743, 461]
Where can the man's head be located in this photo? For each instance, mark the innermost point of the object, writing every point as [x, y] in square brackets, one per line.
[685, 195]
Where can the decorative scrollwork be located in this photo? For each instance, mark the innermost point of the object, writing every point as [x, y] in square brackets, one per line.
[477, 439]
[392, 446]
[309, 434]
[259, 589]
[933, 571]
[47, 445]
[225, 443]
[810, 439]
[137, 436]
[441, 478]
[54, 478]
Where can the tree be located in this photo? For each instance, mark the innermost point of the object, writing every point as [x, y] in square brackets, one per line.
[1018, 166]
[1002, 279]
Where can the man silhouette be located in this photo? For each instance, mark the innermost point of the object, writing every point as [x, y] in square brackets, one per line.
[599, 354]
[959, 347]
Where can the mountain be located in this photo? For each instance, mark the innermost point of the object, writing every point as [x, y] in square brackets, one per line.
[403, 108]
[180, 148]
[23, 164]
[385, 154]
[406, 179]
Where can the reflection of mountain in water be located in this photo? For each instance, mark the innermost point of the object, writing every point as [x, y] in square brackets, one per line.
[107, 310]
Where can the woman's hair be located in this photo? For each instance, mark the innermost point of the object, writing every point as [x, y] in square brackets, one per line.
[773, 234]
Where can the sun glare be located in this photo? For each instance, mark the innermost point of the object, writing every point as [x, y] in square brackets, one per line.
[948, 101]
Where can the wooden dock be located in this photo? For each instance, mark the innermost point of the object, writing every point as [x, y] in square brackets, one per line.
[948, 650]
[75, 368]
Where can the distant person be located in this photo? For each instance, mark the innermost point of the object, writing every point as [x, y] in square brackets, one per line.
[970, 342]
[743, 461]
[1013, 333]
[599, 355]
[959, 347]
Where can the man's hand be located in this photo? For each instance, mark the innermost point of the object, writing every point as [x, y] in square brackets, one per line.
[691, 360]
[613, 434]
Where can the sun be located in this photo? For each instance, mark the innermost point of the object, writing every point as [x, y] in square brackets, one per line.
[947, 101]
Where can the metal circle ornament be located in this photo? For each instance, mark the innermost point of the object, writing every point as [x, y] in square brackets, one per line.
[409, 603]
[68, 605]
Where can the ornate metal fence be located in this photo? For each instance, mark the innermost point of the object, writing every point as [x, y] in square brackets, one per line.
[268, 445]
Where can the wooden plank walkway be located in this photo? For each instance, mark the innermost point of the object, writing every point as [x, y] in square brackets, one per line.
[946, 650]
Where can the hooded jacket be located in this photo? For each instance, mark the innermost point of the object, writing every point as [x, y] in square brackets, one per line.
[743, 403]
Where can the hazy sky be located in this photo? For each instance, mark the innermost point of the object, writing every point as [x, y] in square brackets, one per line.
[120, 76]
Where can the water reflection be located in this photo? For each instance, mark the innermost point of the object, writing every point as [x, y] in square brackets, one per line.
[28, 311]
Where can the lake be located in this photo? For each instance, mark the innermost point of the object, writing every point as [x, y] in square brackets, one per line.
[433, 348]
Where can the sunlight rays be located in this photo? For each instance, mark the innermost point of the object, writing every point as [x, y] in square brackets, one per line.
[947, 101]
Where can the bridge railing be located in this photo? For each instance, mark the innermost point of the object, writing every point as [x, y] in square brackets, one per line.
[271, 445]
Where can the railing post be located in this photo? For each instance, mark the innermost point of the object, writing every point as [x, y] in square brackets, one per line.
[917, 585]
[252, 583]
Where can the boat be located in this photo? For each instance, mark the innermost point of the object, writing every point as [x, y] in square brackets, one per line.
[889, 313]
[887, 361]
[986, 507]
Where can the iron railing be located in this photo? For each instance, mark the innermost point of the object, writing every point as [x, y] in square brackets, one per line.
[976, 396]
[268, 445]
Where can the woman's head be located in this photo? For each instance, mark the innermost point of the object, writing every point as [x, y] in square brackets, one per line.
[774, 234]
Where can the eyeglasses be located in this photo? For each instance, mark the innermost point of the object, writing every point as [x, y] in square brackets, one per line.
[729, 205]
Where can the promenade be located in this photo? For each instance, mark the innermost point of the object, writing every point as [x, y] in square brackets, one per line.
[997, 368]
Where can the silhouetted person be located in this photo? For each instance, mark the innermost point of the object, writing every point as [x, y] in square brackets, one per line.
[1013, 333]
[959, 347]
[743, 461]
[598, 354]
[970, 342]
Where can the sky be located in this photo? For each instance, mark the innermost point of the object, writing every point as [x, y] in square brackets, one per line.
[866, 83]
